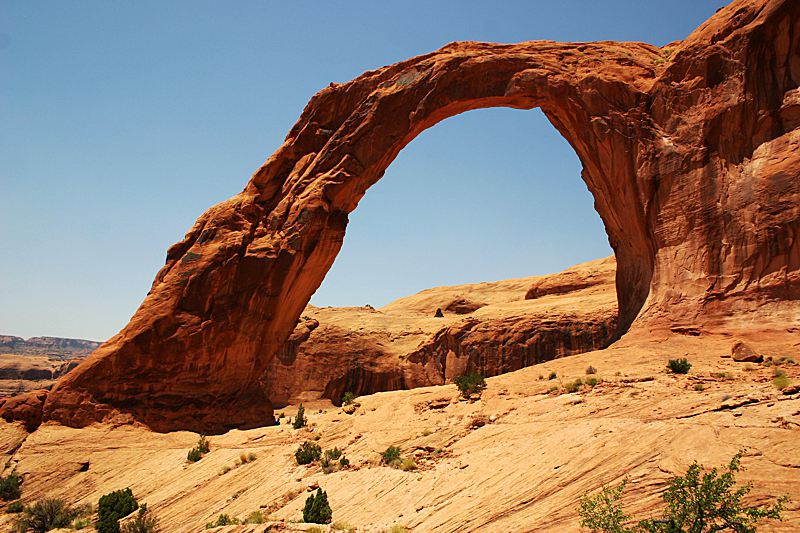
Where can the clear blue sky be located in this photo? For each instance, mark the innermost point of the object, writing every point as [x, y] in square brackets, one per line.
[121, 122]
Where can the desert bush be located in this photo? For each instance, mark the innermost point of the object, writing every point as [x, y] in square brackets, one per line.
[307, 453]
[256, 517]
[573, 386]
[333, 453]
[15, 507]
[408, 464]
[10, 487]
[223, 520]
[438, 314]
[315, 529]
[592, 381]
[591, 370]
[144, 522]
[470, 383]
[699, 387]
[781, 382]
[391, 453]
[112, 507]
[342, 526]
[202, 448]
[552, 375]
[344, 462]
[299, 420]
[679, 366]
[317, 510]
[45, 515]
[696, 503]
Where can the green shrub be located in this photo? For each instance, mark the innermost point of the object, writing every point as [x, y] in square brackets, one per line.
[342, 526]
[144, 522]
[679, 366]
[333, 453]
[552, 375]
[592, 381]
[45, 515]
[391, 454]
[10, 487]
[348, 398]
[307, 453]
[591, 370]
[222, 520]
[470, 383]
[197, 453]
[699, 387]
[112, 507]
[781, 382]
[317, 510]
[438, 314]
[697, 503]
[344, 462]
[15, 507]
[299, 420]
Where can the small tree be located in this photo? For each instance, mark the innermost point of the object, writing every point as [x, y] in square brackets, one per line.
[317, 510]
[202, 448]
[696, 503]
[299, 420]
[112, 507]
[348, 398]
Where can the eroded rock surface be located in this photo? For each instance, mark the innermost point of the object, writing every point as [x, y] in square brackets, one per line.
[690, 151]
[403, 345]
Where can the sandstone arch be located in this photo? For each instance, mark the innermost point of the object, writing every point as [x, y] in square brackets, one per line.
[691, 156]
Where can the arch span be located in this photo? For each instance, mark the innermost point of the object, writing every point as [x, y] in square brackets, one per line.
[692, 210]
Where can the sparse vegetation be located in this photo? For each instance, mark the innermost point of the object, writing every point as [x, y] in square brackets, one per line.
[307, 453]
[696, 503]
[348, 398]
[223, 520]
[679, 366]
[699, 387]
[391, 454]
[573, 386]
[256, 517]
[333, 453]
[722, 375]
[591, 370]
[426, 432]
[10, 487]
[317, 510]
[552, 375]
[202, 448]
[342, 526]
[438, 314]
[344, 462]
[471, 383]
[144, 522]
[45, 515]
[593, 381]
[15, 507]
[408, 464]
[299, 420]
[781, 382]
[112, 507]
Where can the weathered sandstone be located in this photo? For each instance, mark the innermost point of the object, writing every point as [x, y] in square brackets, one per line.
[402, 345]
[690, 151]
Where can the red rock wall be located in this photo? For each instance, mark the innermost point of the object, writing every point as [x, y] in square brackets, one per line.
[691, 156]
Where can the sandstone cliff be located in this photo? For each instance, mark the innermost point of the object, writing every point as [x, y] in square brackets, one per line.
[691, 152]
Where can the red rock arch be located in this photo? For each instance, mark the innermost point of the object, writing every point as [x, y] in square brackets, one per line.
[689, 153]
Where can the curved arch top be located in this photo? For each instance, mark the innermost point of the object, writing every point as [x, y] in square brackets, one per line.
[686, 177]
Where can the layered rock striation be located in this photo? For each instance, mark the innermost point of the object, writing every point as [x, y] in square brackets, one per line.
[691, 152]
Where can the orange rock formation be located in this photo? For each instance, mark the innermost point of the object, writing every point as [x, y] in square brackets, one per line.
[691, 152]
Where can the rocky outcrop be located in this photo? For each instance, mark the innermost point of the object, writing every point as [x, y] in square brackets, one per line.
[691, 153]
[403, 345]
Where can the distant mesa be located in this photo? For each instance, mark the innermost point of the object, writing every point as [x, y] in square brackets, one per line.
[52, 346]
[691, 152]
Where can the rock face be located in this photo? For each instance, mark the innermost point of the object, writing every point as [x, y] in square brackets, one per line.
[691, 153]
[403, 345]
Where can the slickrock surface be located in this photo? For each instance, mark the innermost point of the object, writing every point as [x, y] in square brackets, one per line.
[403, 345]
[691, 152]
[523, 470]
